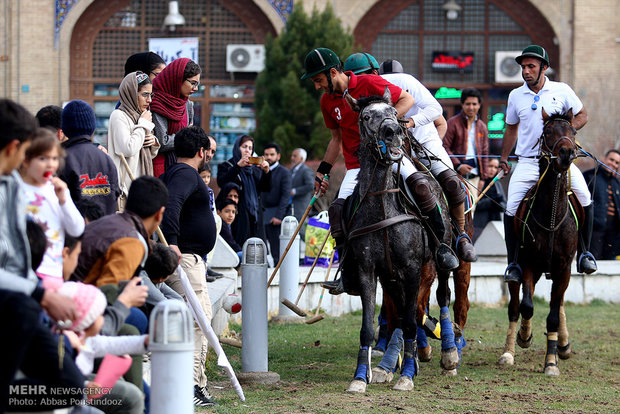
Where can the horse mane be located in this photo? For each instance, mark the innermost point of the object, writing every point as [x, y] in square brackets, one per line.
[364, 101]
[556, 116]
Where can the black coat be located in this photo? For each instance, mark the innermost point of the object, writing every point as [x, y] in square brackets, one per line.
[276, 200]
[303, 183]
[600, 198]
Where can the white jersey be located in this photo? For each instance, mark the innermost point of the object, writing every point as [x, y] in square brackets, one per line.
[554, 97]
[425, 110]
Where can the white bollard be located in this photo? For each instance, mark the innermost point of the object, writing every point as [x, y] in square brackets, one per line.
[254, 293]
[289, 269]
[171, 342]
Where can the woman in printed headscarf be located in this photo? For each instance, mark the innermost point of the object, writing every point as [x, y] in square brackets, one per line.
[252, 179]
[147, 62]
[130, 132]
[172, 109]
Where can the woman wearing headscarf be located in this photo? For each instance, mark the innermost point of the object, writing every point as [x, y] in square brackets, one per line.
[172, 109]
[252, 179]
[130, 132]
[148, 62]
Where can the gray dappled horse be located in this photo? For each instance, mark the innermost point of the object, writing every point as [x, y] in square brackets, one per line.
[385, 240]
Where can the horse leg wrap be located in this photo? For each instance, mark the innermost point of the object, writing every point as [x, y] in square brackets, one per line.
[363, 372]
[562, 330]
[422, 338]
[431, 326]
[447, 333]
[390, 357]
[410, 366]
[551, 356]
[511, 335]
[382, 340]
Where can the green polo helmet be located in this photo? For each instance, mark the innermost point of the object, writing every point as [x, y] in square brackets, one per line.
[534, 51]
[319, 60]
[360, 62]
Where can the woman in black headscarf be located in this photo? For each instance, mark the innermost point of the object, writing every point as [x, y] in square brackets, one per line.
[147, 62]
[252, 179]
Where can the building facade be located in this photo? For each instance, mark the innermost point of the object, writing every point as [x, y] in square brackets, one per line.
[52, 51]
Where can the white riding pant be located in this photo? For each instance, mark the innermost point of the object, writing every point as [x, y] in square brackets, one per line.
[526, 174]
[435, 147]
[350, 178]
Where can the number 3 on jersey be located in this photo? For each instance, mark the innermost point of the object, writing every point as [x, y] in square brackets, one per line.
[338, 115]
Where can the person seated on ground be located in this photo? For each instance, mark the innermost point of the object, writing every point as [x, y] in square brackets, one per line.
[89, 209]
[91, 303]
[160, 264]
[493, 204]
[29, 343]
[227, 210]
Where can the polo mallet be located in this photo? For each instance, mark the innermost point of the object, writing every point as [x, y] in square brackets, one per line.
[497, 177]
[293, 306]
[320, 317]
[301, 222]
[160, 235]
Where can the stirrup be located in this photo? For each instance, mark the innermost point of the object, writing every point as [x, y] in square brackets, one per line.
[513, 273]
[335, 287]
[468, 254]
[587, 267]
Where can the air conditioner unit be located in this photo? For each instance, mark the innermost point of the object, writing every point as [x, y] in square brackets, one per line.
[507, 70]
[245, 58]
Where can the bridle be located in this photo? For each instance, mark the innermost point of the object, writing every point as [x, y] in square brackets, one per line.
[550, 152]
[380, 148]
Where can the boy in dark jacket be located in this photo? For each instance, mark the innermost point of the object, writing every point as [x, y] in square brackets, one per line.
[88, 172]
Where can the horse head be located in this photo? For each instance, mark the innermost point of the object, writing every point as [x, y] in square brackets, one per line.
[379, 127]
[558, 139]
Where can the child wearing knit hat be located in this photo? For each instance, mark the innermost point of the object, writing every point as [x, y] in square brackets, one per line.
[84, 336]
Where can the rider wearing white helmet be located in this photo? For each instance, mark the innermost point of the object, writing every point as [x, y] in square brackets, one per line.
[524, 119]
[426, 119]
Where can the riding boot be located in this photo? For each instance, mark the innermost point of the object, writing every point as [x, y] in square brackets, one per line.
[427, 202]
[513, 271]
[464, 247]
[585, 260]
[336, 287]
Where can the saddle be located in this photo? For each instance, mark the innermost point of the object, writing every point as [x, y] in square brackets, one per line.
[576, 211]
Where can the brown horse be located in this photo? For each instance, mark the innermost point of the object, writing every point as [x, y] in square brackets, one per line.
[548, 221]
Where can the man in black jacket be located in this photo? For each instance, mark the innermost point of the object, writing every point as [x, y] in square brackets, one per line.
[189, 228]
[88, 172]
[275, 201]
[302, 185]
[605, 191]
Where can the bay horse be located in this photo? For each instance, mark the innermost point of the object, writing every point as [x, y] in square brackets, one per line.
[548, 219]
[384, 239]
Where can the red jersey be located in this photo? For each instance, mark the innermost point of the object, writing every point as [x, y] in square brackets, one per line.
[338, 114]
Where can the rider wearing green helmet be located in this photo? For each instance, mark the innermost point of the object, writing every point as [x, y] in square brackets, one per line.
[361, 63]
[538, 52]
[321, 60]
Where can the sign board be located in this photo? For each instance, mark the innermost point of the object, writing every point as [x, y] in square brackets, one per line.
[460, 62]
[447, 93]
[171, 48]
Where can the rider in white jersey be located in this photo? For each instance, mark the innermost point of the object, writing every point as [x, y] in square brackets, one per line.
[524, 120]
[426, 114]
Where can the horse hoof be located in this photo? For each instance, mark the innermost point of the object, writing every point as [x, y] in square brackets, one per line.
[449, 372]
[357, 386]
[564, 352]
[377, 353]
[404, 383]
[449, 358]
[506, 360]
[552, 370]
[379, 376]
[425, 354]
[524, 343]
